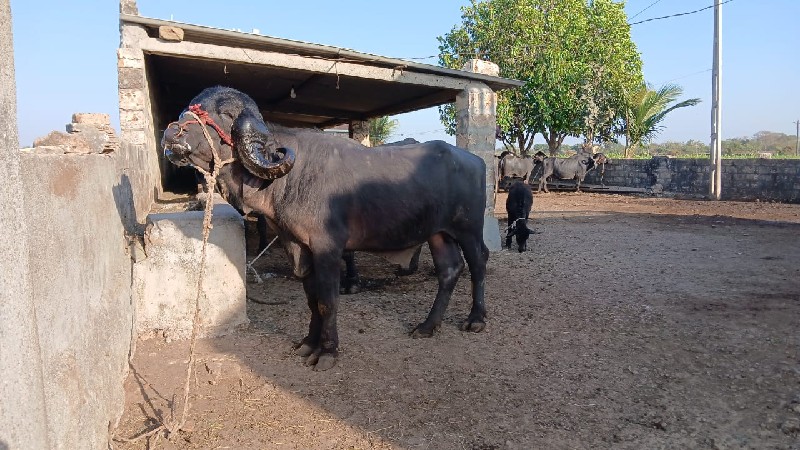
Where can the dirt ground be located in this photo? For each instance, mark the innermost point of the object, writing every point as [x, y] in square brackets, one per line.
[630, 322]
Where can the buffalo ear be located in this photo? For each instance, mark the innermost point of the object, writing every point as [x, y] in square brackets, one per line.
[256, 148]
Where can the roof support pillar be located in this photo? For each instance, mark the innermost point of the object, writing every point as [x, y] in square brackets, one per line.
[359, 131]
[476, 121]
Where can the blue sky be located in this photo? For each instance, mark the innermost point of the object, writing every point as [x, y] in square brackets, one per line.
[65, 53]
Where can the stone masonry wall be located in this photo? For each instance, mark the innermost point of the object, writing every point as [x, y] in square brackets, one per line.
[742, 179]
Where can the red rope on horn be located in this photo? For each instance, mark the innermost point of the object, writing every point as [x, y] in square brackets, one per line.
[207, 120]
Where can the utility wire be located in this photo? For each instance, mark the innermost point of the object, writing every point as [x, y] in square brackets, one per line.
[686, 76]
[651, 4]
[679, 14]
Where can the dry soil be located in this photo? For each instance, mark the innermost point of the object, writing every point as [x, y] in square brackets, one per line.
[631, 322]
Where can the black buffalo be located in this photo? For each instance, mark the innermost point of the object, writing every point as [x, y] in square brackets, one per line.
[518, 206]
[351, 281]
[325, 195]
[573, 168]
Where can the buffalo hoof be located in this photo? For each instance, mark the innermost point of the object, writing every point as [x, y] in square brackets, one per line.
[402, 272]
[314, 357]
[325, 362]
[423, 331]
[349, 286]
[304, 350]
[474, 325]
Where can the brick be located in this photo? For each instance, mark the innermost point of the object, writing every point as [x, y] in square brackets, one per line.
[130, 78]
[131, 99]
[170, 33]
[130, 57]
[91, 119]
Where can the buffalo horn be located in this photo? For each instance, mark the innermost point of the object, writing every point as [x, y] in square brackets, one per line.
[253, 144]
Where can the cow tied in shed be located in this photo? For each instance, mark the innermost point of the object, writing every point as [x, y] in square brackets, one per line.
[518, 207]
[573, 168]
[325, 195]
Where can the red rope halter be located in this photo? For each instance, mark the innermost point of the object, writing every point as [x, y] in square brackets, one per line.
[205, 119]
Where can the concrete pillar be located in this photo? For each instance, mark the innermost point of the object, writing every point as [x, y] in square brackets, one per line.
[23, 415]
[476, 122]
[359, 130]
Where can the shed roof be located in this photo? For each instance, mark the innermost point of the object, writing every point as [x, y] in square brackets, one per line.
[299, 83]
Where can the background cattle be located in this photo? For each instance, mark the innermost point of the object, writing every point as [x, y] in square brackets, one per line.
[512, 166]
[326, 195]
[573, 168]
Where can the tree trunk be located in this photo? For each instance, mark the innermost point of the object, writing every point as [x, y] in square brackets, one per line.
[554, 141]
[629, 150]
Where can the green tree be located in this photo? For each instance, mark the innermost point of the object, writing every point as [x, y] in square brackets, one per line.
[569, 53]
[647, 110]
[381, 129]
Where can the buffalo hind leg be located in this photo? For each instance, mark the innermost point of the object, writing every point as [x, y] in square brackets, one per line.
[321, 345]
[449, 265]
[477, 255]
[351, 282]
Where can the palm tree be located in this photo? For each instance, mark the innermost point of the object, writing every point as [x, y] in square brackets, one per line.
[647, 110]
[380, 129]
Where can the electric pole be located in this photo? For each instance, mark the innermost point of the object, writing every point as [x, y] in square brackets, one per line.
[797, 145]
[716, 113]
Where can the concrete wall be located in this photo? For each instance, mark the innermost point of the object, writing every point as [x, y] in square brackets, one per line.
[742, 179]
[80, 283]
[23, 416]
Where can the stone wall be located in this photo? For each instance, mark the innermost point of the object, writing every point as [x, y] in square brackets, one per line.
[742, 179]
[137, 157]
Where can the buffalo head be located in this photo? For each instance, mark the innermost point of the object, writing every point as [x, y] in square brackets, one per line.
[600, 158]
[519, 229]
[237, 131]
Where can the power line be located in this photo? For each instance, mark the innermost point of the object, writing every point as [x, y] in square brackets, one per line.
[651, 4]
[679, 14]
[686, 76]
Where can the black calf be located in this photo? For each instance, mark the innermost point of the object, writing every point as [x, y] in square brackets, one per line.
[518, 205]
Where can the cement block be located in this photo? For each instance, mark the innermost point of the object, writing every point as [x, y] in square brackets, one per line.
[165, 283]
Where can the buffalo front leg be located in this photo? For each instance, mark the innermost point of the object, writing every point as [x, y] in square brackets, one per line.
[509, 235]
[449, 265]
[321, 346]
[543, 184]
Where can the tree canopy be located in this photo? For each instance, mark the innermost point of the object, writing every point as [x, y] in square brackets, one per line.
[575, 56]
[381, 129]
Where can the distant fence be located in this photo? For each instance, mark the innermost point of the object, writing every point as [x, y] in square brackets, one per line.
[742, 179]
